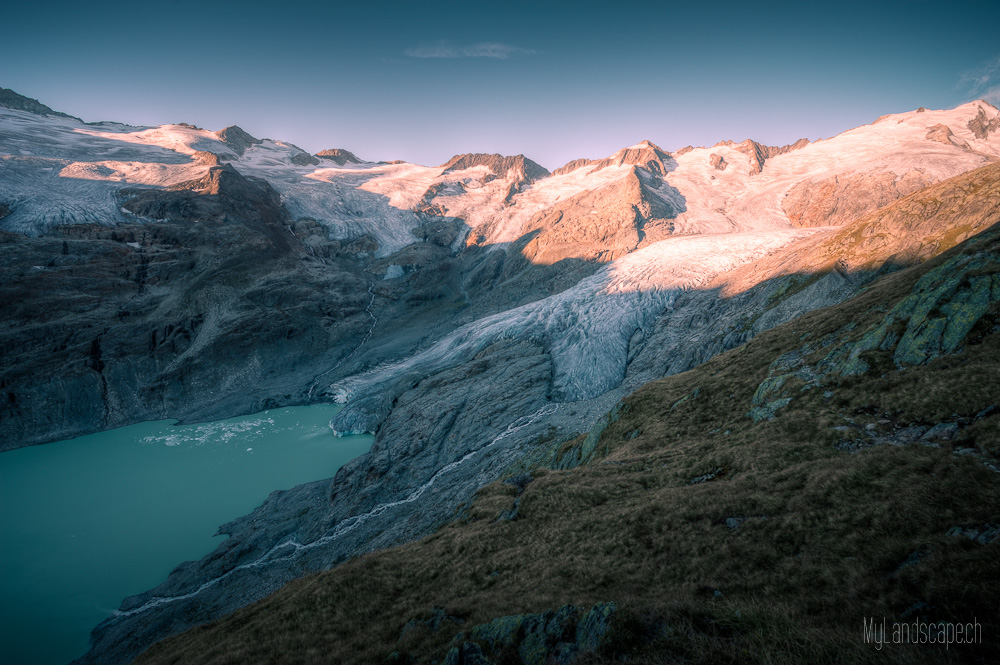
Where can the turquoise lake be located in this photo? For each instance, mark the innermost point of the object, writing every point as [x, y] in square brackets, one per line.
[86, 522]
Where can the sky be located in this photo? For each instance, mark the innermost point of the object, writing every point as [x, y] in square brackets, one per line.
[422, 81]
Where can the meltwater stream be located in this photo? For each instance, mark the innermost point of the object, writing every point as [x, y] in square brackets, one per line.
[86, 522]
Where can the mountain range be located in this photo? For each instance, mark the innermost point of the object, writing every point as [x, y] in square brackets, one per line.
[484, 318]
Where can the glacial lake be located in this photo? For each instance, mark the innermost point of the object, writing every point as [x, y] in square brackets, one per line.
[88, 521]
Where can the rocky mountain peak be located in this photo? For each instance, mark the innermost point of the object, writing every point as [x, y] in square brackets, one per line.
[528, 171]
[12, 100]
[760, 153]
[645, 154]
[338, 156]
[236, 138]
[572, 166]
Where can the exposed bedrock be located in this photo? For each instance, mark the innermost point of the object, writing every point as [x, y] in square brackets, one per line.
[237, 139]
[943, 134]
[844, 198]
[985, 124]
[604, 224]
[524, 170]
[12, 100]
[572, 165]
[760, 153]
[218, 311]
[338, 156]
[645, 155]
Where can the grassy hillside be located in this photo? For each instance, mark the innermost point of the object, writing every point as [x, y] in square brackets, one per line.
[758, 508]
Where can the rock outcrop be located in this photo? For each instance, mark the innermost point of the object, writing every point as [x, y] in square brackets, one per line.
[983, 125]
[12, 100]
[525, 170]
[935, 319]
[214, 310]
[304, 159]
[943, 134]
[562, 637]
[845, 198]
[760, 153]
[338, 156]
[646, 155]
[237, 139]
[221, 195]
[603, 224]
[573, 165]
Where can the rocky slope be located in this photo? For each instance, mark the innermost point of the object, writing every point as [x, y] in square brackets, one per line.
[842, 465]
[461, 311]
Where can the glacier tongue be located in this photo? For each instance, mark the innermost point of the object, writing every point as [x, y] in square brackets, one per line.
[586, 328]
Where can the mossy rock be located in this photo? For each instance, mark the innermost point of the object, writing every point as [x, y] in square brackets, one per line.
[558, 636]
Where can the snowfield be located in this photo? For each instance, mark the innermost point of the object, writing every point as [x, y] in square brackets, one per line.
[46, 159]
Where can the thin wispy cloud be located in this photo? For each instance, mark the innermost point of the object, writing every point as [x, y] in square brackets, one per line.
[445, 49]
[983, 82]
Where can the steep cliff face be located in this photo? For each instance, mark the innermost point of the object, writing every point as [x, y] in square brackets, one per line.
[219, 310]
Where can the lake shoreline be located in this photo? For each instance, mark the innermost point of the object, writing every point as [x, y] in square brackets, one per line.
[92, 520]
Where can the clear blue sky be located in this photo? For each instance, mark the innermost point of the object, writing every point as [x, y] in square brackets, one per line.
[422, 81]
